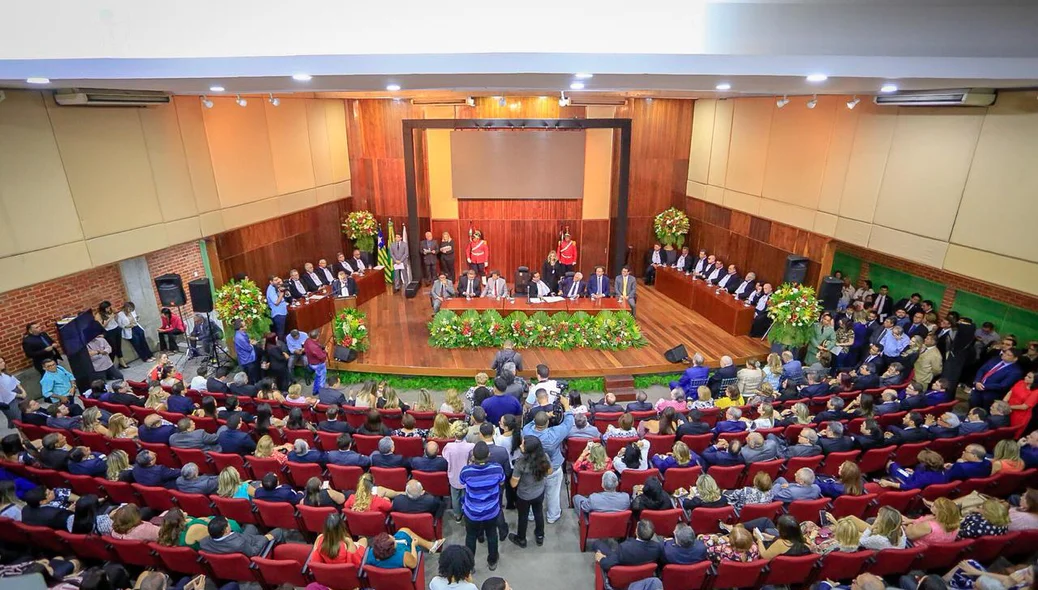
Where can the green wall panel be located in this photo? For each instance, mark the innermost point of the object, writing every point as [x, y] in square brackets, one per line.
[903, 284]
[850, 265]
[1007, 319]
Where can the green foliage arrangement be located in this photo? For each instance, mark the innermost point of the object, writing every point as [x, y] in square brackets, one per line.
[794, 310]
[243, 300]
[671, 227]
[608, 330]
[360, 226]
[351, 330]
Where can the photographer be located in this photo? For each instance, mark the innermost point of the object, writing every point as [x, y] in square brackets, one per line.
[543, 382]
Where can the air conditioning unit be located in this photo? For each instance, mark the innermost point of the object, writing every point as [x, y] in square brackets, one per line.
[597, 101]
[76, 97]
[967, 97]
[439, 102]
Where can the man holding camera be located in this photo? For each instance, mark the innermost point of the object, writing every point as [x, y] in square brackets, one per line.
[278, 305]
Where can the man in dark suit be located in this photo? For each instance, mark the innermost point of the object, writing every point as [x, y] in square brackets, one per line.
[302, 453]
[414, 500]
[33, 413]
[222, 540]
[573, 288]
[998, 417]
[311, 280]
[910, 304]
[232, 440]
[331, 422]
[914, 398]
[607, 405]
[38, 512]
[60, 418]
[874, 357]
[188, 437]
[870, 436]
[813, 387]
[640, 403]
[218, 382]
[123, 395]
[867, 378]
[916, 328]
[241, 386]
[598, 286]
[147, 473]
[724, 453]
[429, 248]
[882, 303]
[296, 287]
[344, 286]
[360, 262]
[910, 431]
[700, 264]
[469, 285]
[190, 482]
[653, 259]
[889, 404]
[684, 548]
[684, 261]
[342, 264]
[714, 274]
[955, 339]
[726, 371]
[730, 281]
[832, 439]
[806, 445]
[326, 273]
[976, 421]
[973, 464]
[345, 455]
[55, 451]
[872, 325]
[81, 461]
[270, 491]
[946, 426]
[641, 549]
[732, 421]
[833, 411]
[231, 406]
[747, 287]
[430, 459]
[155, 430]
[994, 379]
[694, 425]
[385, 457]
[179, 403]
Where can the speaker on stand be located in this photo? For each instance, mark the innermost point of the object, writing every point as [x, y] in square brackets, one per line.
[202, 302]
[830, 292]
[171, 294]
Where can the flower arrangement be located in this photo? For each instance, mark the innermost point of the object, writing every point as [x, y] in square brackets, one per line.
[607, 330]
[794, 310]
[350, 329]
[243, 300]
[671, 227]
[361, 227]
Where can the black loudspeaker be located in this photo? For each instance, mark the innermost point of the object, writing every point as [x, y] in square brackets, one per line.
[171, 290]
[411, 290]
[796, 269]
[830, 292]
[344, 354]
[676, 354]
[201, 295]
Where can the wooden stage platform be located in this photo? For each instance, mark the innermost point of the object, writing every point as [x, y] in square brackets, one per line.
[399, 343]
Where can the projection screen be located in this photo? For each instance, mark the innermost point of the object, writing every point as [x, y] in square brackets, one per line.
[517, 164]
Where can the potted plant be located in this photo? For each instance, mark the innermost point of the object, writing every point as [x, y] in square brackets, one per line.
[671, 227]
[360, 226]
[793, 310]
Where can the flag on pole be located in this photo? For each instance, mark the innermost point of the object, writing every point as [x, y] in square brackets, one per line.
[472, 230]
[407, 262]
[383, 254]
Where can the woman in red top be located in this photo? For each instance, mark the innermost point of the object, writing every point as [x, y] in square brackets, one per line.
[336, 546]
[369, 498]
[172, 326]
[1022, 399]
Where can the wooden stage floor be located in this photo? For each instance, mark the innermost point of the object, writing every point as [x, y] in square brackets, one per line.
[399, 343]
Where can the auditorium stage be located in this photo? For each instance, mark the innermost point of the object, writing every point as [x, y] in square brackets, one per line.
[399, 343]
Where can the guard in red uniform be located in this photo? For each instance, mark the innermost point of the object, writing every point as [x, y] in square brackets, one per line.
[479, 255]
[567, 252]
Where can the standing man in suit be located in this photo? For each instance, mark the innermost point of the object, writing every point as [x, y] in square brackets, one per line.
[995, 378]
[910, 304]
[360, 262]
[399, 254]
[342, 264]
[38, 346]
[468, 285]
[684, 261]
[325, 273]
[567, 254]
[883, 305]
[311, 281]
[929, 363]
[916, 328]
[429, 248]
[277, 304]
[598, 287]
[957, 334]
[653, 260]
[743, 289]
[344, 286]
[496, 287]
[442, 290]
[537, 288]
[573, 288]
[626, 288]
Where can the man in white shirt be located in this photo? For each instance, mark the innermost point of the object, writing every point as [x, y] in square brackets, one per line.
[574, 288]
[296, 288]
[496, 287]
[730, 280]
[701, 263]
[715, 274]
[704, 268]
[684, 261]
[654, 259]
[311, 281]
[324, 273]
[746, 287]
[537, 288]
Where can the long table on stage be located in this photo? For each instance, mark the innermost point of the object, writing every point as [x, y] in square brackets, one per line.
[507, 306]
[721, 309]
[312, 314]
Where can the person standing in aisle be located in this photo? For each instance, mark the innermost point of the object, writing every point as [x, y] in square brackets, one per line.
[481, 504]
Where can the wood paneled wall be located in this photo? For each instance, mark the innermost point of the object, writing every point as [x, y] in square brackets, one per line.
[275, 246]
[753, 243]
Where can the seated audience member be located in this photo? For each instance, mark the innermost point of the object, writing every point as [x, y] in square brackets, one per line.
[429, 461]
[732, 398]
[940, 526]
[704, 399]
[998, 417]
[119, 467]
[666, 423]
[938, 393]
[373, 425]
[147, 473]
[914, 397]
[869, 436]
[848, 482]
[271, 491]
[887, 530]
[694, 425]
[608, 500]
[582, 429]
[799, 414]
[191, 482]
[792, 369]
[706, 494]
[336, 546]
[990, 520]
[331, 422]
[758, 493]
[408, 428]
[834, 411]
[319, 494]
[635, 455]
[680, 456]
[889, 403]
[944, 426]
[693, 376]
[866, 378]
[684, 547]
[399, 550]
[385, 457]
[187, 437]
[676, 401]
[789, 541]
[1006, 457]
[650, 496]
[723, 375]
[910, 431]
[757, 449]
[1025, 516]
[737, 545]
[592, 458]
[240, 386]
[1029, 449]
[806, 444]
[643, 548]
[231, 439]
[82, 461]
[415, 500]
[127, 524]
[723, 453]
[60, 418]
[179, 403]
[929, 471]
[976, 421]
[624, 428]
[802, 488]
[232, 406]
[155, 430]
[222, 540]
[217, 383]
[41, 509]
[641, 403]
[370, 497]
[32, 412]
[973, 464]
[732, 422]
[815, 386]
[302, 453]
[832, 439]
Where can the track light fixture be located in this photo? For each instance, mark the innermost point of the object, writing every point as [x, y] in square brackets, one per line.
[274, 101]
[501, 101]
[470, 101]
[563, 101]
[206, 102]
[853, 102]
[241, 101]
[813, 102]
[782, 101]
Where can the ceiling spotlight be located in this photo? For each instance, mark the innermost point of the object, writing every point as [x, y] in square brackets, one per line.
[723, 86]
[470, 101]
[853, 103]
[38, 80]
[393, 87]
[302, 77]
[813, 102]
[274, 101]
[563, 101]
[241, 101]
[817, 77]
[576, 86]
[206, 102]
[888, 88]
[501, 101]
[216, 89]
[583, 76]
[782, 101]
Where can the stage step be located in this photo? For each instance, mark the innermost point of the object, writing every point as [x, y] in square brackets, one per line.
[623, 394]
[621, 385]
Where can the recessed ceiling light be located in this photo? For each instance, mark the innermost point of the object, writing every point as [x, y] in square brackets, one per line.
[216, 89]
[302, 77]
[817, 77]
[38, 80]
[888, 88]
[393, 87]
[576, 86]
[583, 75]
[723, 86]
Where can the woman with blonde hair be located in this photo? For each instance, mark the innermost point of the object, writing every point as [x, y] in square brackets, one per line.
[92, 422]
[452, 403]
[156, 398]
[765, 417]
[447, 255]
[798, 414]
[758, 493]
[706, 494]
[773, 371]
[424, 403]
[992, 518]
[552, 271]
[704, 399]
[1007, 457]
[265, 448]
[392, 401]
[118, 463]
[749, 377]
[296, 398]
[370, 497]
[764, 394]
[441, 427]
[887, 531]
[940, 526]
[367, 397]
[679, 456]
[737, 545]
[592, 458]
[122, 426]
[230, 485]
[842, 536]
[471, 400]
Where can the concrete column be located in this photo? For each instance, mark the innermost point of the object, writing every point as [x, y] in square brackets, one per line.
[140, 289]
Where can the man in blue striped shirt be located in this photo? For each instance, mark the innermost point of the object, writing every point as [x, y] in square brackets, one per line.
[481, 504]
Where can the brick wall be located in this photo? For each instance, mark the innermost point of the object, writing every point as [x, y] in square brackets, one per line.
[51, 300]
